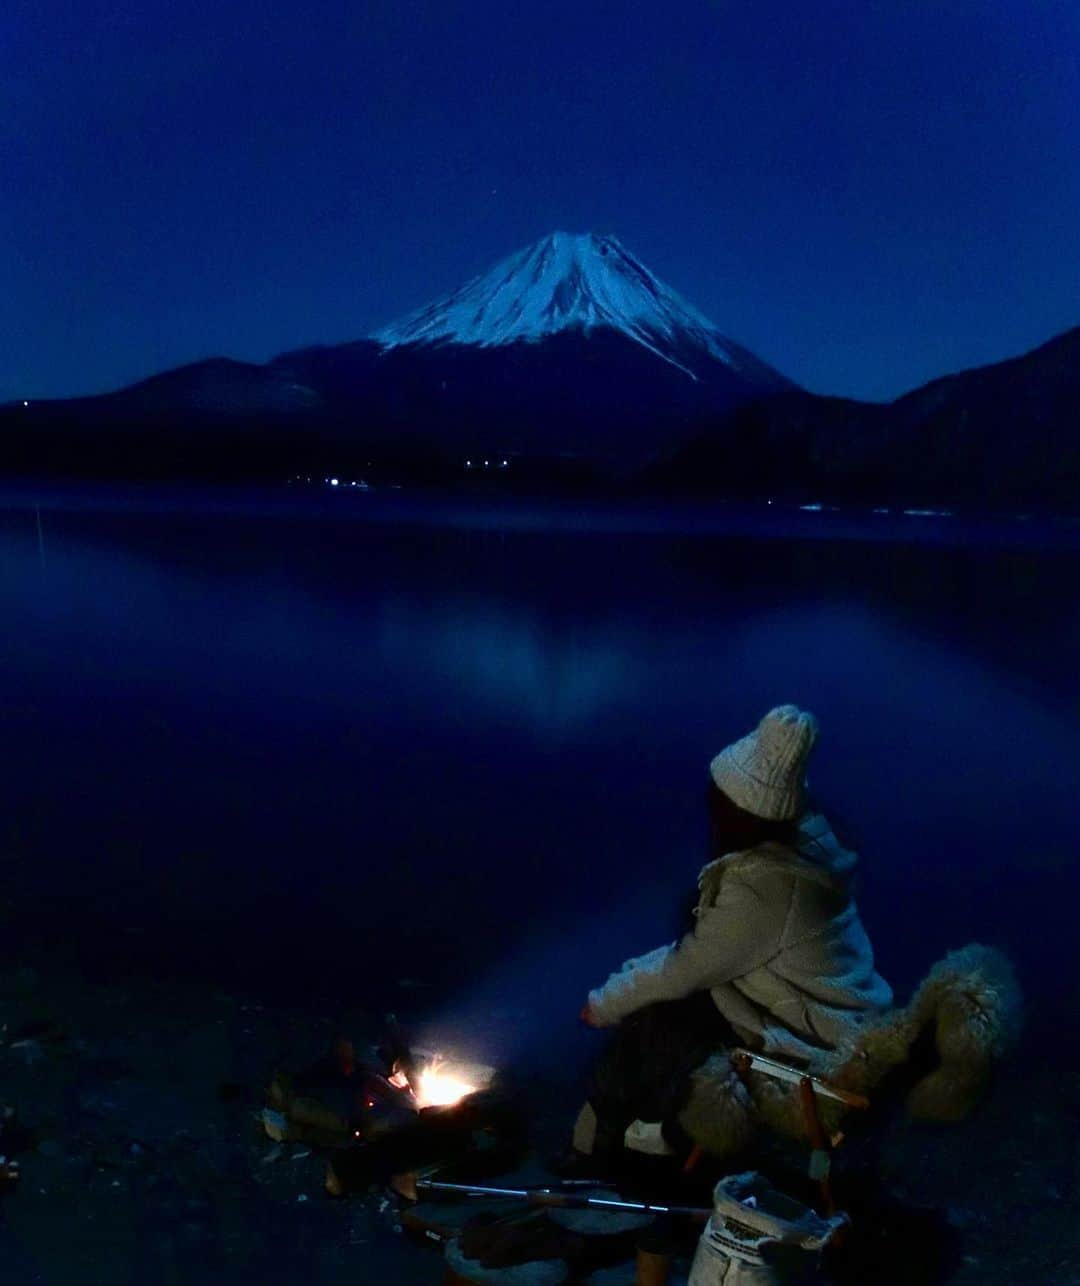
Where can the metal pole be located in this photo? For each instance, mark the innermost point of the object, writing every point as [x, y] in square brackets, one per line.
[562, 1200]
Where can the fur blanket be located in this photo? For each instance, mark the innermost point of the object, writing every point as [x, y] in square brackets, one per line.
[961, 1020]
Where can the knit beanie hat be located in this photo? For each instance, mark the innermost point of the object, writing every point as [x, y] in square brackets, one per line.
[765, 772]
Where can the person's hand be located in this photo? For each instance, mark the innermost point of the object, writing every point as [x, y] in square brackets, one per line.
[588, 1017]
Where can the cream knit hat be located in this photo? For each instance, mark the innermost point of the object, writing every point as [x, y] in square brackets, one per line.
[765, 772]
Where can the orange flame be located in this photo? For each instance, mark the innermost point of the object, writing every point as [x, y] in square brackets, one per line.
[439, 1088]
[436, 1085]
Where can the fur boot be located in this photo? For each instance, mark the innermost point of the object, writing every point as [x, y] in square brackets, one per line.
[719, 1115]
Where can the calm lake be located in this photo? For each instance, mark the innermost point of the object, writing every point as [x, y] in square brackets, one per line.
[451, 755]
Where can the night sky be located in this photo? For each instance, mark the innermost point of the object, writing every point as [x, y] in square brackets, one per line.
[866, 194]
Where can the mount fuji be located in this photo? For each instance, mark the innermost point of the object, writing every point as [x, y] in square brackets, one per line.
[567, 357]
[583, 283]
[570, 348]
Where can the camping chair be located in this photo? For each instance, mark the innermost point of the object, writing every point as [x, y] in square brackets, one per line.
[933, 1056]
[809, 1087]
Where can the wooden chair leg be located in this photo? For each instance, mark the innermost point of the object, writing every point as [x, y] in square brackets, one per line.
[820, 1163]
[693, 1160]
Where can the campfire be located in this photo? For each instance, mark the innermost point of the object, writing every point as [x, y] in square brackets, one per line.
[406, 1110]
[409, 1111]
[438, 1082]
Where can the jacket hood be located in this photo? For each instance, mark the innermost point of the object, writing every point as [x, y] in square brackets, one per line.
[819, 846]
[819, 857]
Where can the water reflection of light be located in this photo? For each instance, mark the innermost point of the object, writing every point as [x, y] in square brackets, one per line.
[550, 677]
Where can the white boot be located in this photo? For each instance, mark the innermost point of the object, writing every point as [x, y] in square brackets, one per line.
[647, 1137]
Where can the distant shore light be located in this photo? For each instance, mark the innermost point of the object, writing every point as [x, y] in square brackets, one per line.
[333, 482]
[26, 404]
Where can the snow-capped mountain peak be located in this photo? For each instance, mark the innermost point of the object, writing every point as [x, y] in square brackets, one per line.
[565, 282]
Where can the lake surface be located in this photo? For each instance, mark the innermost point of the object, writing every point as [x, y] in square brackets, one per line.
[452, 755]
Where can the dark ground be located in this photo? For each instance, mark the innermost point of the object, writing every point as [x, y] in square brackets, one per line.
[141, 1169]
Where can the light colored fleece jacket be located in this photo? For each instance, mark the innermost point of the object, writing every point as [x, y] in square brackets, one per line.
[777, 942]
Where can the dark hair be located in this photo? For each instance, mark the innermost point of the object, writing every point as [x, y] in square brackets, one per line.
[732, 829]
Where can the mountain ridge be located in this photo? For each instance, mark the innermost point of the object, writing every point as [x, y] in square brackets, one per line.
[570, 359]
[1004, 435]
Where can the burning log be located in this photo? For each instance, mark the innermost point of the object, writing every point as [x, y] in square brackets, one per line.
[413, 1109]
[340, 1100]
[483, 1131]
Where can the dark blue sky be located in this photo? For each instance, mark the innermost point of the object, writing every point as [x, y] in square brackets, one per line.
[866, 193]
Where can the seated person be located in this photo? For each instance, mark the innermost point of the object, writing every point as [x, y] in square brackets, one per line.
[777, 959]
